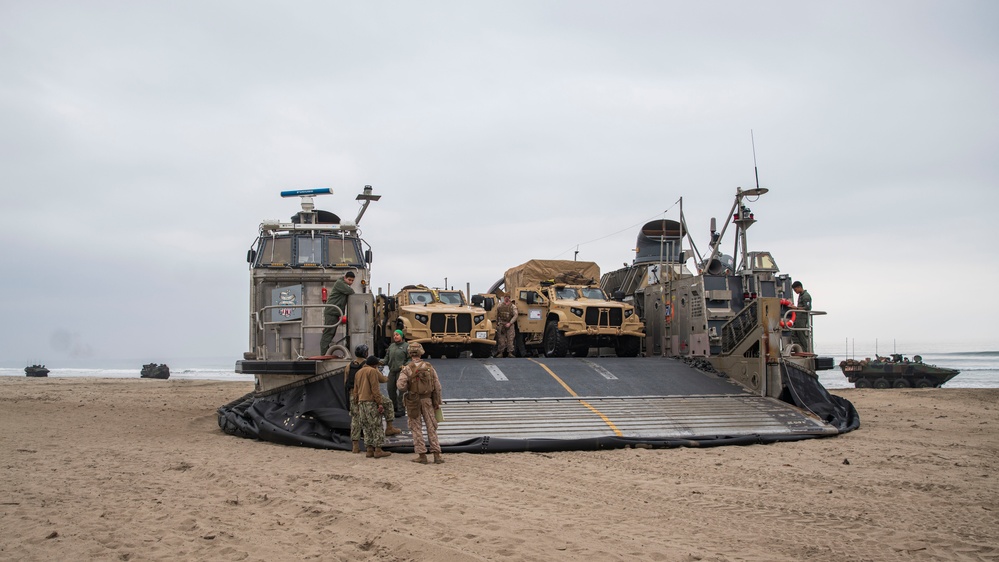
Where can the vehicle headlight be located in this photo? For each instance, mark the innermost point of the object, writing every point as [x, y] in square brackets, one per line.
[628, 313]
[422, 318]
[577, 311]
[478, 319]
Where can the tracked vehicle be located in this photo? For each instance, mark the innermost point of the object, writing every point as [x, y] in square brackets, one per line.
[441, 320]
[896, 371]
[36, 371]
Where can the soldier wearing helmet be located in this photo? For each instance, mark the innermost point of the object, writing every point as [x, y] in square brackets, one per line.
[423, 396]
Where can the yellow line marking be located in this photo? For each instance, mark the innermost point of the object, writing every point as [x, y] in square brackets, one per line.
[607, 421]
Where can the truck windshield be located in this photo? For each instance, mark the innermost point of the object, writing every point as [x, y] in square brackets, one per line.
[420, 297]
[566, 294]
[451, 297]
[593, 293]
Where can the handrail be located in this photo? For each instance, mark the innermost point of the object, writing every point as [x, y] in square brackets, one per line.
[264, 324]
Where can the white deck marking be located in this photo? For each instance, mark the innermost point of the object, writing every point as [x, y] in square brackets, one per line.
[603, 372]
[495, 372]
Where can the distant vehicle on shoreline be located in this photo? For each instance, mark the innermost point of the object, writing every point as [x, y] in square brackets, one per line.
[154, 371]
[896, 371]
[36, 371]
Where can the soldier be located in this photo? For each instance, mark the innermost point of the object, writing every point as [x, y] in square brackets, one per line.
[423, 396]
[338, 297]
[800, 336]
[350, 385]
[396, 356]
[371, 408]
[506, 319]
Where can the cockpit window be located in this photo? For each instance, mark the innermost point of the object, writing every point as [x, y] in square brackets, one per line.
[275, 251]
[421, 297]
[593, 293]
[765, 261]
[451, 297]
[567, 294]
[342, 251]
[310, 250]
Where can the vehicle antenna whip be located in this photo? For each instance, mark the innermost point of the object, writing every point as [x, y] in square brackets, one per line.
[756, 170]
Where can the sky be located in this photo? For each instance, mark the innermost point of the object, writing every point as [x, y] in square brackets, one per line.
[141, 144]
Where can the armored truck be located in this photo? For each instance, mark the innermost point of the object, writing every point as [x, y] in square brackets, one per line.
[439, 319]
[562, 310]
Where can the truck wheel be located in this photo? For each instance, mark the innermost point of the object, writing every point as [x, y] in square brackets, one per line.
[924, 383]
[628, 346]
[901, 383]
[556, 344]
[519, 347]
[862, 383]
[881, 383]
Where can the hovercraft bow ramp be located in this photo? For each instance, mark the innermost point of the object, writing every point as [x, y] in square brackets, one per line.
[552, 404]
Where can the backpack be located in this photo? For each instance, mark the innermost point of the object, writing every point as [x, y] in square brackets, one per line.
[421, 379]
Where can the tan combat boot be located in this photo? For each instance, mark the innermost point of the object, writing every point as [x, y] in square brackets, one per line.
[390, 430]
[438, 459]
[422, 459]
[369, 451]
[356, 447]
[380, 454]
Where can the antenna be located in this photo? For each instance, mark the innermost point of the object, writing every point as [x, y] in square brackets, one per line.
[756, 170]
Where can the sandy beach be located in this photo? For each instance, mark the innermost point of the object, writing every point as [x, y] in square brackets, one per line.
[138, 470]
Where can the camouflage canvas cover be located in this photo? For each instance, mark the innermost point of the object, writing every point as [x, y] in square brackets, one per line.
[569, 272]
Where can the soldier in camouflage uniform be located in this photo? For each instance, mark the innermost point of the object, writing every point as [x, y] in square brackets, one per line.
[361, 354]
[801, 320]
[506, 327]
[370, 408]
[423, 395]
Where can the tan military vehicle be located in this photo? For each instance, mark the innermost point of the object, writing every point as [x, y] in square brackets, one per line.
[439, 319]
[562, 310]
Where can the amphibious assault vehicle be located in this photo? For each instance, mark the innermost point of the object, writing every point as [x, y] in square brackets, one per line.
[154, 371]
[36, 371]
[896, 371]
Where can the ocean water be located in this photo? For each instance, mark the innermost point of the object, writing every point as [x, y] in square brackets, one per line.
[979, 369]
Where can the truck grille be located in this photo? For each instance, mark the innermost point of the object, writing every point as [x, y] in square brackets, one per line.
[441, 323]
[603, 317]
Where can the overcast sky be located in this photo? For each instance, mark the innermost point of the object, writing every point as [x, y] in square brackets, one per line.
[141, 144]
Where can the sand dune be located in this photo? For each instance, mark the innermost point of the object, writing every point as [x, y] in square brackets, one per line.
[138, 470]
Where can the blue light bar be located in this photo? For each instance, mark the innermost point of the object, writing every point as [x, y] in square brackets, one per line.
[301, 192]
